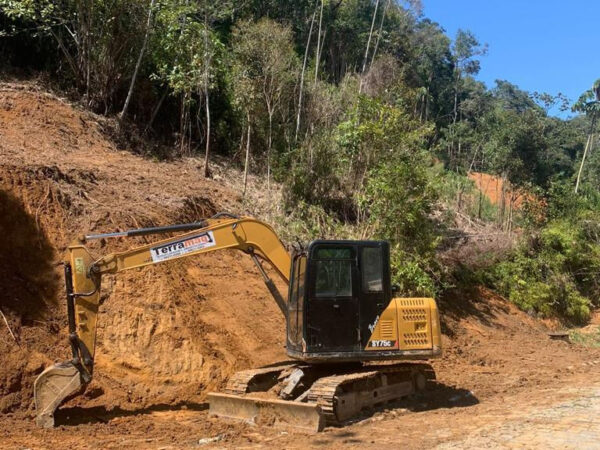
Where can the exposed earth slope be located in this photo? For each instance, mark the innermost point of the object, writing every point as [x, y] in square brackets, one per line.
[171, 333]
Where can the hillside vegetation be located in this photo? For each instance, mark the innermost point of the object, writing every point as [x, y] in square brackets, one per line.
[366, 115]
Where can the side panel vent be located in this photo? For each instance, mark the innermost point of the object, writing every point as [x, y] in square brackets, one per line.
[387, 329]
[414, 323]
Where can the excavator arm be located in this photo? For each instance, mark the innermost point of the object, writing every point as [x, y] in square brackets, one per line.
[83, 279]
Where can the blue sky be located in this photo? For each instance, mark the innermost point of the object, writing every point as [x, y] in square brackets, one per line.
[539, 45]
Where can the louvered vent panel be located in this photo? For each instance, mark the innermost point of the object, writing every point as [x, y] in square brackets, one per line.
[387, 329]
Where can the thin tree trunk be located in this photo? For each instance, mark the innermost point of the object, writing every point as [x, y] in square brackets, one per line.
[207, 149]
[247, 156]
[242, 135]
[455, 110]
[206, 97]
[588, 146]
[319, 43]
[183, 122]
[322, 45]
[387, 5]
[364, 66]
[88, 51]
[312, 22]
[84, 13]
[156, 109]
[67, 55]
[138, 62]
[502, 202]
[269, 144]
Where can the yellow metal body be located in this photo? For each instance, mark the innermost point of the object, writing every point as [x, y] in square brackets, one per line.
[408, 324]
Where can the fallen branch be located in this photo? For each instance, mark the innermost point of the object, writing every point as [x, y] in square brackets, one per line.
[8, 326]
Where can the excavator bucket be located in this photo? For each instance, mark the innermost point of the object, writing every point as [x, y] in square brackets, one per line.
[52, 387]
[278, 413]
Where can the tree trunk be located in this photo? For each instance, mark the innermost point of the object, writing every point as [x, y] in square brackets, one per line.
[269, 144]
[247, 157]
[67, 55]
[206, 97]
[138, 62]
[207, 149]
[387, 5]
[455, 110]
[502, 202]
[588, 146]
[319, 43]
[156, 109]
[312, 22]
[368, 45]
[183, 126]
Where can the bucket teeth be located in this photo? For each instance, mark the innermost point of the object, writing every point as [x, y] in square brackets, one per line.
[52, 387]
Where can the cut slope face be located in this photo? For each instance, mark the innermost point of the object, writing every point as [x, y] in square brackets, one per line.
[494, 189]
[167, 333]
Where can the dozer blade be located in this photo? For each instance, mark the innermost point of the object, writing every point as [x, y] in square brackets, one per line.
[52, 387]
[278, 413]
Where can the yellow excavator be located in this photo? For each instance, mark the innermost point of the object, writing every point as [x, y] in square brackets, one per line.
[354, 344]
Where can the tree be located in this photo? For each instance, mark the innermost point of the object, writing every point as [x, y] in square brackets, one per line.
[184, 51]
[588, 103]
[465, 49]
[265, 64]
[99, 39]
[301, 89]
[139, 61]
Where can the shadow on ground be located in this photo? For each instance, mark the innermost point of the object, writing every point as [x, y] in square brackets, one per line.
[472, 302]
[77, 415]
[437, 396]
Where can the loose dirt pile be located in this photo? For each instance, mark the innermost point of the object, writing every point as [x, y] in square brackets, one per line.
[171, 333]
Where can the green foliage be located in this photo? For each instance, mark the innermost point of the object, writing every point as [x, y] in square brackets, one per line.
[399, 198]
[184, 49]
[556, 271]
[412, 274]
[263, 70]
[460, 195]
[589, 339]
[377, 153]
[589, 101]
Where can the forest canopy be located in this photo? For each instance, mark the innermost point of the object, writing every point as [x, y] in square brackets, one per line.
[368, 114]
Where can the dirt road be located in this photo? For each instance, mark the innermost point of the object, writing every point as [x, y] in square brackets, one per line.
[569, 424]
[562, 416]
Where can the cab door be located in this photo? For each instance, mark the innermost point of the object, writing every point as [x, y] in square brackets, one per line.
[375, 292]
[332, 309]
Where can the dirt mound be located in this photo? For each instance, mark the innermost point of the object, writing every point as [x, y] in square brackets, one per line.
[493, 348]
[166, 334]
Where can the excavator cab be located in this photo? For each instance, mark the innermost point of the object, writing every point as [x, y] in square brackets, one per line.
[338, 293]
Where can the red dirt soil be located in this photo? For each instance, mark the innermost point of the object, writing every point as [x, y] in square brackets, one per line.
[492, 186]
[171, 333]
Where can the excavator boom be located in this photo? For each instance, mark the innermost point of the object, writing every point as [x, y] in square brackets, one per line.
[83, 276]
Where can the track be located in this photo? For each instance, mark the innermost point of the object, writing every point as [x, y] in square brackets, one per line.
[343, 397]
[340, 392]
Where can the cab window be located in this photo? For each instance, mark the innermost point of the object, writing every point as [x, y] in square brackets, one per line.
[372, 269]
[333, 272]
